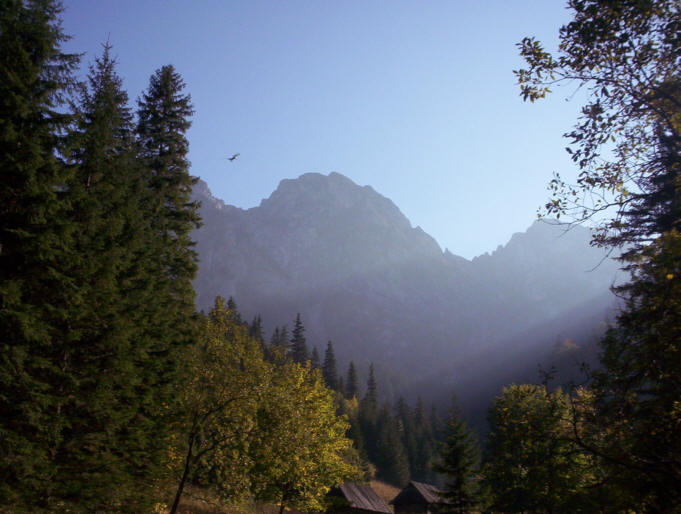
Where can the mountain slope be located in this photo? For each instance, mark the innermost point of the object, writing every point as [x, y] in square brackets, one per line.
[350, 262]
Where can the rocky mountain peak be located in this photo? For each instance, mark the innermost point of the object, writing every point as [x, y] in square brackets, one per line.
[318, 196]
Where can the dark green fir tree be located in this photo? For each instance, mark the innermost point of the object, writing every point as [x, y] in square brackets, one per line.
[35, 238]
[234, 311]
[458, 462]
[371, 397]
[256, 332]
[329, 367]
[108, 352]
[352, 382]
[299, 352]
[315, 362]
[368, 416]
[164, 113]
[163, 118]
[341, 387]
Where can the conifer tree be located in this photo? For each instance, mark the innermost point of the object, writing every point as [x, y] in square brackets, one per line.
[341, 386]
[405, 416]
[315, 362]
[277, 351]
[329, 368]
[458, 462]
[35, 234]
[368, 416]
[108, 350]
[352, 382]
[255, 330]
[284, 340]
[163, 118]
[371, 396]
[164, 113]
[274, 340]
[270, 349]
[299, 351]
[234, 310]
[390, 456]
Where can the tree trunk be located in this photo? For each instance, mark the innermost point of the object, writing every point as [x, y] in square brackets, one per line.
[281, 504]
[185, 474]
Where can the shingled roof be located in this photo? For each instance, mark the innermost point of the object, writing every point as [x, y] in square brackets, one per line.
[418, 492]
[363, 497]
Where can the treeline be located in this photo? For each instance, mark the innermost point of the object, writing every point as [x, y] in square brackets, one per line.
[395, 443]
[114, 392]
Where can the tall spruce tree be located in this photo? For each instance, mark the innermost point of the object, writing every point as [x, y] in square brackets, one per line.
[371, 396]
[315, 362]
[368, 416]
[352, 382]
[458, 461]
[299, 351]
[164, 113]
[234, 310]
[35, 234]
[162, 122]
[108, 351]
[329, 370]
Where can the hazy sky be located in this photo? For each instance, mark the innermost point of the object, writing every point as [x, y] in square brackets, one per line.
[416, 99]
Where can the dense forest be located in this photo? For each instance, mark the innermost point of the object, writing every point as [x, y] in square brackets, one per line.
[117, 395]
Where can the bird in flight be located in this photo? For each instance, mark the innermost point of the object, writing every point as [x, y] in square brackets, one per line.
[233, 157]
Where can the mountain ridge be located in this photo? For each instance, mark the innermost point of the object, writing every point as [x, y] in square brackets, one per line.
[360, 274]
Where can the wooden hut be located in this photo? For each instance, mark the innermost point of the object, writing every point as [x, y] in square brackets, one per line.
[350, 498]
[417, 498]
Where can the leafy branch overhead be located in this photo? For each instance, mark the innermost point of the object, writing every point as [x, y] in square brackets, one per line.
[626, 56]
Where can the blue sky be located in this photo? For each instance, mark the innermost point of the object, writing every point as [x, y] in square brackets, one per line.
[416, 99]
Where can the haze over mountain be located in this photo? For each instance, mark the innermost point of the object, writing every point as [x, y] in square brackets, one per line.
[350, 262]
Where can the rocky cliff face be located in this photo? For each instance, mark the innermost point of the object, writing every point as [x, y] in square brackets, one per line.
[350, 262]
